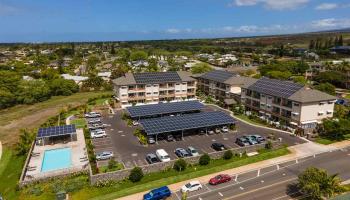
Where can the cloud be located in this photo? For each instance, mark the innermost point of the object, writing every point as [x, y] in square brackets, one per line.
[173, 30]
[7, 9]
[327, 6]
[331, 23]
[272, 4]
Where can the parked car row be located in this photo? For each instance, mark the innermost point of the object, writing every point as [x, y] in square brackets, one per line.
[92, 115]
[162, 156]
[164, 192]
[247, 140]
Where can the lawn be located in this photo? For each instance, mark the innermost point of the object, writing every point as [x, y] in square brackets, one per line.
[10, 172]
[326, 141]
[246, 118]
[79, 123]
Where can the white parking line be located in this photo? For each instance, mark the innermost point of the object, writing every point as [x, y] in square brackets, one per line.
[177, 196]
[207, 187]
[220, 194]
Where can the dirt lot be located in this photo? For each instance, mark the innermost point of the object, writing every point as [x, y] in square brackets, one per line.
[31, 116]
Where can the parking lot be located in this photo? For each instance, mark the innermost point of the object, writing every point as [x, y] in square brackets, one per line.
[130, 152]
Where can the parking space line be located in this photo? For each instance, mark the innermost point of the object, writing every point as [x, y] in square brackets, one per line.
[220, 194]
[207, 187]
[177, 196]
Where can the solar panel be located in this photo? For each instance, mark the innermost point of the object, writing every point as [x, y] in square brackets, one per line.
[185, 122]
[275, 87]
[156, 77]
[56, 131]
[164, 108]
[218, 75]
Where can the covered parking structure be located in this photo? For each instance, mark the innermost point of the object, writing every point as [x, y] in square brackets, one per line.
[161, 109]
[56, 134]
[170, 124]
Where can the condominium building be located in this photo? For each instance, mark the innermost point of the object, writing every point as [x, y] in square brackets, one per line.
[293, 103]
[223, 85]
[154, 87]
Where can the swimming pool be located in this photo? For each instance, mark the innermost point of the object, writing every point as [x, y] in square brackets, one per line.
[56, 159]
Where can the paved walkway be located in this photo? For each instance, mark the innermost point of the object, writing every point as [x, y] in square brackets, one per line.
[68, 119]
[0, 150]
[297, 151]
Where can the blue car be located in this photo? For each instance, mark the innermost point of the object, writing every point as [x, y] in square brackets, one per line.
[157, 194]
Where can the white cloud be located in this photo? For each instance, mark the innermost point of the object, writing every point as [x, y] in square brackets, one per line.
[272, 4]
[7, 9]
[173, 30]
[331, 23]
[247, 29]
[327, 6]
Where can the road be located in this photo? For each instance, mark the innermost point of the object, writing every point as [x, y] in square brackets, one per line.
[276, 182]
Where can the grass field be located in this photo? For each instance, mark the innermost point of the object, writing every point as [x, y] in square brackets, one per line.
[327, 141]
[32, 116]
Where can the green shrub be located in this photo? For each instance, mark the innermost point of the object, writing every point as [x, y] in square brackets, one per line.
[227, 155]
[112, 163]
[204, 159]
[268, 145]
[136, 174]
[180, 165]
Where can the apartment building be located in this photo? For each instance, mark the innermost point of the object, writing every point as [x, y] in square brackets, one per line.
[293, 103]
[223, 85]
[154, 87]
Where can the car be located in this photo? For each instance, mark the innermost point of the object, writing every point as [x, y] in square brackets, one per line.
[170, 138]
[210, 132]
[191, 186]
[224, 129]
[192, 151]
[151, 158]
[178, 137]
[222, 178]
[98, 134]
[157, 194]
[217, 130]
[97, 126]
[258, 138]
[135, 123]
[201, 132]
[104, 155]
[151, 140]
[162, 155]
[181, 153]
[218, 146]
[94, 121]
[250, 139]
[97, 130]
[242, 142]
[92, 115]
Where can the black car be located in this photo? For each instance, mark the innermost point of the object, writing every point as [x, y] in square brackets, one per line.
[218, 146]
[242, 142]
[170, 138]
[151, 158]
[181, 153]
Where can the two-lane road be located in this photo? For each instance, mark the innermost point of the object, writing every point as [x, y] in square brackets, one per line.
[275, 182]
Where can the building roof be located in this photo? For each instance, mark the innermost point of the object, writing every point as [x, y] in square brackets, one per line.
[305, 95]
[164, 108]
[153, 78]
[218, 75]
[185, 122]
[56, 131]
[275, 87]
[241, 81]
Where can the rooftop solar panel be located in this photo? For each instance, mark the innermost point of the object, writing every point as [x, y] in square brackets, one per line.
[164, 108]
[56, 131]
[185, 122]
[218, 75]
[275, 87]
[156, 77]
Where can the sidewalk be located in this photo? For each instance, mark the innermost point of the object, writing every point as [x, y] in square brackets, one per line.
[297, 151]
[0, 150]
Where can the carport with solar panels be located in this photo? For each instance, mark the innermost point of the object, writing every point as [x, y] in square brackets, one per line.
[52, 135]
[179, 124]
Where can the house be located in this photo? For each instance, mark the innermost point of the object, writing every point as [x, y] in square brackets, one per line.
[223, 85]
[295, 104]
[77, 79]
[105, 75]
[154, 87]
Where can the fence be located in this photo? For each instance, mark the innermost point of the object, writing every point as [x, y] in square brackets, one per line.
[123, 174]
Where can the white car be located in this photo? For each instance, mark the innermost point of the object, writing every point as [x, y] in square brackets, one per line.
[191, 186]
[98, 134]
[104, 155]
[192, 151]
[135, 123]
[92, 115]
[163, 155]
[224, 129]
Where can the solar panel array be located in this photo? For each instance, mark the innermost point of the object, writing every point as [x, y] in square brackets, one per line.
[56, 131]
[185, 122]
[275, 87]
[156, 77]
[164, 108]
[217, 75]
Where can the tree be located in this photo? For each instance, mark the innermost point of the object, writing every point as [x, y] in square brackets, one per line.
[112, 50]
[63, 87]
[318, 184]
[138, 55]
[299, 79]
[180, 165]
[227, 155]
[25, 141]
[327, 88]
[204, 159]
[279, 75]
[33, 91]
[7, 99]
[312, 44]
[340, 41]
[201, 68]
[92, 62]
[334, 129]
[136, 174]
[335, 78]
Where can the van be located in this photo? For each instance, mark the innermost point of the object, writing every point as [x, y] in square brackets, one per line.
[162, 155]
[157, 194]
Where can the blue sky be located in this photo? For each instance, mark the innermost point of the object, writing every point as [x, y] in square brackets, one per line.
[98, 20]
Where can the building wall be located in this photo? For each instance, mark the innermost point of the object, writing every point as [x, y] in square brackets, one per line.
[310, 111]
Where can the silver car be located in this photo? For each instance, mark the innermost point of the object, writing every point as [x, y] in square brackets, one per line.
[104, 155]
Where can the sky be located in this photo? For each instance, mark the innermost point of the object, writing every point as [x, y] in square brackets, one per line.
[120, 20]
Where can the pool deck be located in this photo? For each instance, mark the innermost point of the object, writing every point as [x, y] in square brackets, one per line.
[78, 156]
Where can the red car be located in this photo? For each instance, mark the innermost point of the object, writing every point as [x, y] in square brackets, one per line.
[222, 178]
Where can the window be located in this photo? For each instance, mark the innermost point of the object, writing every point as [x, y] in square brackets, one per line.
[177, 83]
[177, 91]
[124, 95]
[148, 86]
[270, 97]
[184, 90]
[155, 92]
[268, 106]
[329, 112]
[262, 95]
[124, 87]
[148, 93]
[296, 104]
